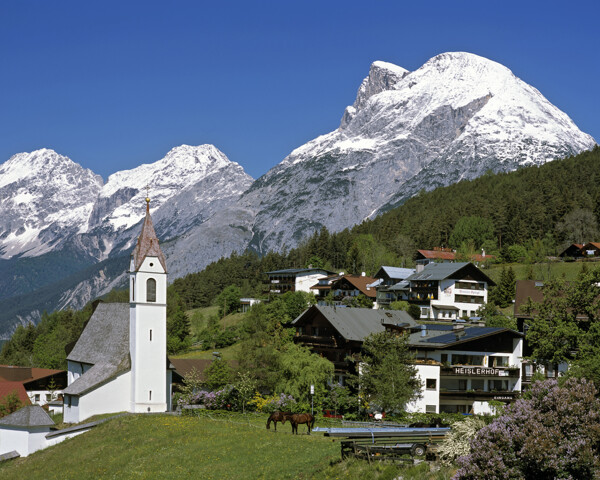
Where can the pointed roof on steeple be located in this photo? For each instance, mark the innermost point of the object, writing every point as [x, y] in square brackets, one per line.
[147, 244]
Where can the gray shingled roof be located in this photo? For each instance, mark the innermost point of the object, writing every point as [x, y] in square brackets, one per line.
[29, 416]
[357, 323]
[395, 272]
[441, 271]
[103, 343]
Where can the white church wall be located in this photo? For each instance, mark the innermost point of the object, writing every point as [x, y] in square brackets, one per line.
[71, 409]
[148, 338]
[112, 397]
[37, 439]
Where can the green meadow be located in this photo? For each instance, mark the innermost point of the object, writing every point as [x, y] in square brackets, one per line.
[211, 446]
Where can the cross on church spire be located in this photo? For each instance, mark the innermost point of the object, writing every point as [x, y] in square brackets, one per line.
[147, 187]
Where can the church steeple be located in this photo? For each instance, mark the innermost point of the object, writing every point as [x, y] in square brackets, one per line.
[147, 244]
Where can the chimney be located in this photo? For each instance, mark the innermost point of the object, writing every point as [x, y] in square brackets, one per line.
[423, 330]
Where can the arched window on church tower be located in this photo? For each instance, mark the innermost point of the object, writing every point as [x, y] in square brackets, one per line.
[151, 290]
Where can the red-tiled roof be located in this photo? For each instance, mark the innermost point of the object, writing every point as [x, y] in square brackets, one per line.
[442, 255]
[25, 374]
[360, 282]
[7, 388]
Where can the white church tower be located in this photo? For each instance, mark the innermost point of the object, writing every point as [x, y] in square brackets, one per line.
[148, 323]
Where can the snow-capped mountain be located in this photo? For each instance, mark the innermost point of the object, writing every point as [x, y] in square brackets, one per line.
[44, 198]
[456, 117]
[47, 199]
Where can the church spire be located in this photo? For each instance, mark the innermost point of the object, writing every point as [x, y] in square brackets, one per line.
[147, 244]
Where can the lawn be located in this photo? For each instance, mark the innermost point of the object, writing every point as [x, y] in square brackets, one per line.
[227, 353]
[541, 271]
[168, 446]
[217, 446]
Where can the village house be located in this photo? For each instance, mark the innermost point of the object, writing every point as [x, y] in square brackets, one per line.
[120, 361]
[293, 280]
[461, 367]
[387, 279]
[42, 385]
[337, 333]
[447, 291]
[347, 287]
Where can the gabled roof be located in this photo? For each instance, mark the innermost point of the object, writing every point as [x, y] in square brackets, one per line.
[103, 343]
[442, 271]
[6, 388]
[360, 282]
[355, 324]
[29, 416]
[147, 244]
[526, 289]
[394, 273]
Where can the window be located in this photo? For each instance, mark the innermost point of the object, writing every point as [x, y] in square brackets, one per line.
[431, 383]
[133, 289]
[68, 400]
[151, 290]
[458, 359]
[37, 397]
[477, 384]
[150, 334]
[499, 362]
[468, 299]
[499, 385]
[150, 395]
[48, 397]
[430, 409]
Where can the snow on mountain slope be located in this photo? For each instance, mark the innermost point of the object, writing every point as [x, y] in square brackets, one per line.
[44, 198]
[456, 117]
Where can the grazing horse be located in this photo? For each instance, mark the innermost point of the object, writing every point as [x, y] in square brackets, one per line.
[298, 418]
[278, 417]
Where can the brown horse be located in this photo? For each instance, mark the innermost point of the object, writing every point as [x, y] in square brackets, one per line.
[278, 417]
[298, 418]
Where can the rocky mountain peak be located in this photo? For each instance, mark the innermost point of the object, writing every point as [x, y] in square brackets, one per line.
[382, 76]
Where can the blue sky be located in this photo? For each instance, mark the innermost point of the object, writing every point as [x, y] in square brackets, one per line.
[114, 84]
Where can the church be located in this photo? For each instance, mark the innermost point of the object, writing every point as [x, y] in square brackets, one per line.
[119, 363]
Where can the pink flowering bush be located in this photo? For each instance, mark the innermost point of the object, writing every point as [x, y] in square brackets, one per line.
[553, 432]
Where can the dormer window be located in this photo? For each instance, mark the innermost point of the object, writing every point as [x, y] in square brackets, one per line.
[151, 290]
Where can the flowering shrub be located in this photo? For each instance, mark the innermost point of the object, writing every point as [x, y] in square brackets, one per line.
[458, 441]
[219, 399]
[553, 432]
[272, 403]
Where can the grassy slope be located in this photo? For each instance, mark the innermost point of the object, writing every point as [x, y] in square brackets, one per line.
[163, 446]
[220, 447]
[541, 271]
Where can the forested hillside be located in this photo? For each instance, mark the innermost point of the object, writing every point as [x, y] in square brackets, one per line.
[524, 216]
